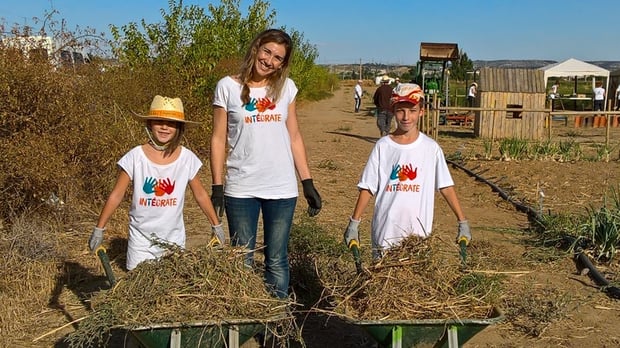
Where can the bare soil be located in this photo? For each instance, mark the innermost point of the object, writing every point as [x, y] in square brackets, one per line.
[547, 302]
[339, 141]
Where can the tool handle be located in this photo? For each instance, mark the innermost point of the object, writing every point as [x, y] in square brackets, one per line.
[105, 261]
[463, 253]
[214, 242]
[354, 247]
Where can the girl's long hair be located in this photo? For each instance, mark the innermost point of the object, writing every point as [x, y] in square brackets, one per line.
[275, 81]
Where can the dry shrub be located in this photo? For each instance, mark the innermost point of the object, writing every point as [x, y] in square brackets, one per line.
[31, 255]
[64, 130]
[183, 287]
[419, 279]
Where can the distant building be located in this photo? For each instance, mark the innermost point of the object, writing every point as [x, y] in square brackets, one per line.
[33, 47]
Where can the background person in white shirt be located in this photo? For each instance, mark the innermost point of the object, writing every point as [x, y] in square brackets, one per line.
[358, 93]
[599, 97]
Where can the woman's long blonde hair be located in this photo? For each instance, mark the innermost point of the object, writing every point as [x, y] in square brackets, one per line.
[275, 82]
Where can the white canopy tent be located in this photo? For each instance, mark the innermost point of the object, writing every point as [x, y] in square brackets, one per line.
[575, 68]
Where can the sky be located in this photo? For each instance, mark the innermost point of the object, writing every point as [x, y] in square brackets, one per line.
[390, 31]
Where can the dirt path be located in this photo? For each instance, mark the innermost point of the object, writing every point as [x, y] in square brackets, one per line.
[546, 301]
[542, 289]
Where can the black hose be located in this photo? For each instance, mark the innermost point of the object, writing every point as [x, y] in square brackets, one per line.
[580, 258]
[519, 206]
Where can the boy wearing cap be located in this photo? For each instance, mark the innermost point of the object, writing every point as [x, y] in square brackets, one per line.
[160, 170]
[402, 173]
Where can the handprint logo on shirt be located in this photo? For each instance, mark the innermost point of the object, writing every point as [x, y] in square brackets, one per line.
[149, 185]
[395, 170]
[265, 104]
[261, 104]
[251, 105]
[159, 187]
[403, 172]
[407, 173]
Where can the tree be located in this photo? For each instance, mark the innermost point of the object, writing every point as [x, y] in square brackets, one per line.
[461, 66]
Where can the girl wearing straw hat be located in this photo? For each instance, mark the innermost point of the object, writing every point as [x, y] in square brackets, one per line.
[254, 114]
[161, 169]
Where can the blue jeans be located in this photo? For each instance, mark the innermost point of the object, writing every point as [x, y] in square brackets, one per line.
[242, 215]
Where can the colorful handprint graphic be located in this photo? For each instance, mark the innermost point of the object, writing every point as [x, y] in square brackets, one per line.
[159, 187]
[149, 185]
[404, 172]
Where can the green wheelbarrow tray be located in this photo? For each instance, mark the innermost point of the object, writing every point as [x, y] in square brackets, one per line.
[450, 333]
[222, 333]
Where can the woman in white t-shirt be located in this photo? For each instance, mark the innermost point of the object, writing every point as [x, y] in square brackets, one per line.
[160, 170]
[254, 114]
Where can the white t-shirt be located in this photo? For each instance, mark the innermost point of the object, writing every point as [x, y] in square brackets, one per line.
[618, 92]
[472, 91]
[358, 91]
[403, 179]
[156, 211]
[260, 159]
[599, 93]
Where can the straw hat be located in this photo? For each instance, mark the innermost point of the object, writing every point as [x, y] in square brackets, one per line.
[407, 92]
[165, 108]
[385, 78]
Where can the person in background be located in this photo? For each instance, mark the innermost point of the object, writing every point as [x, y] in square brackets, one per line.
[553, 94]
[599, 97]
[402, 174]
[471, 94]
[554, 90]
[358, 93]
[381, 99]
[160, 170]
[254, 114]
[618, 98]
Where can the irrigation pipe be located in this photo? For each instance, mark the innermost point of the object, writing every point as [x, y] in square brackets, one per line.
[580, 258]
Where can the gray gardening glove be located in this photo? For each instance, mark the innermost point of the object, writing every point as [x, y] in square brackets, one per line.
[96, 238]
[463, 232]
[218, 232]
[351, 233]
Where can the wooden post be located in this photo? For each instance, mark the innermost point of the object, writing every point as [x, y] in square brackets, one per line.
[549, 122]
[608, 123]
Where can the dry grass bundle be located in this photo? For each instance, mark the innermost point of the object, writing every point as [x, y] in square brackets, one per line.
[202, 285]
[419, 279]
[31, 252]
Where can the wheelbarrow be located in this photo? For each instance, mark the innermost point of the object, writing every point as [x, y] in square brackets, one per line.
[212, 334]
[451, 333]
[435, 333]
